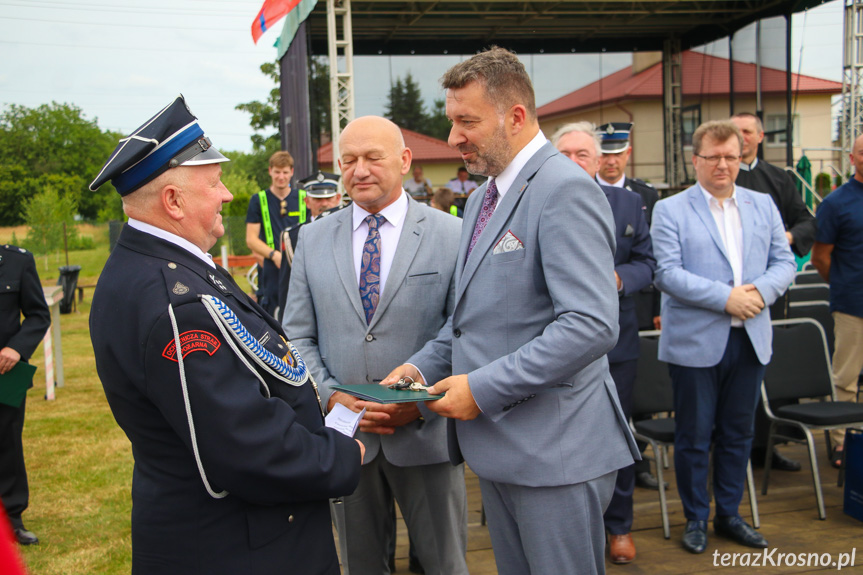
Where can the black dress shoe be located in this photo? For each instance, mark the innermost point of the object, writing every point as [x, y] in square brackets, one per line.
[647, 480]
[736, 529]
[25, 537]
[782, 463]
[695, 536]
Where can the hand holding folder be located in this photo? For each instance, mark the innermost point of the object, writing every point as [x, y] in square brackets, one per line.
[15, 383]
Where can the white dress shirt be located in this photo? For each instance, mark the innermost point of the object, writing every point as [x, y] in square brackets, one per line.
[174, 239]
[727, 217]
[390, 231]
[618, 184]
[505, 179]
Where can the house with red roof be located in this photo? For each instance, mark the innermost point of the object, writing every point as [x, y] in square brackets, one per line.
[634, 94]
[439, 162]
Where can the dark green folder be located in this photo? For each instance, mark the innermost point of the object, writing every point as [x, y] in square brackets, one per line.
[15, 383]
[383, 394]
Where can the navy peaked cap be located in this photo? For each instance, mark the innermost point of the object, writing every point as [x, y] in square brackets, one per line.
[321, 185]
[169, 139]
[615, 137]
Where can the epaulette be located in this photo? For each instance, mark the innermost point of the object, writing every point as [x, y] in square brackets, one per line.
[14, 249]
[178, 284]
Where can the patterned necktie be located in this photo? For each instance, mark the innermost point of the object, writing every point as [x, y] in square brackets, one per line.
[489, 202]
[370, 268]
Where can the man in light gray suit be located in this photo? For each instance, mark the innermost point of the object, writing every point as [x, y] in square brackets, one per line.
[534, 410]
[370, 285]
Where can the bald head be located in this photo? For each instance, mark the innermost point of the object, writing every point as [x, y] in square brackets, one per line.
[374, 160]
[857, 158]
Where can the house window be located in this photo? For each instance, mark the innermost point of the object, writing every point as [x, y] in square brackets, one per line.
[775, 130]
[691, 117]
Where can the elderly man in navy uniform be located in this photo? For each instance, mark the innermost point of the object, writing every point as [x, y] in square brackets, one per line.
[233, 464]
[20, 293]
[322, 197]
[633, 270]
[616, 150]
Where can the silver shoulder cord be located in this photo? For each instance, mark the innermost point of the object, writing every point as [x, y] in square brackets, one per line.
[225, 318]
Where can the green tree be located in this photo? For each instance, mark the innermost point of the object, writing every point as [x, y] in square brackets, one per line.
[46, 212]
[405, 105]
[51, 140]
[438, 125]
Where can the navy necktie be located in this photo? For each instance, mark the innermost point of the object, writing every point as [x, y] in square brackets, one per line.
[370, 268]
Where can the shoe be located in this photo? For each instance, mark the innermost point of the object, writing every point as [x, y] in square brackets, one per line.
[25, 537]
[621, 549]
[778, 461]
[414, 566]
[695, 536]
[647, 480]
[735, 528]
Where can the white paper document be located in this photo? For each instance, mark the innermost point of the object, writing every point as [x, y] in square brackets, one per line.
[343, 419]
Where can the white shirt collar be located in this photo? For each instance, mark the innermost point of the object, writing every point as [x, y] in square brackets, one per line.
[713, 199]
[394, 213]
[174, 239]
[618, 184]
[749, 167]
[505, 179]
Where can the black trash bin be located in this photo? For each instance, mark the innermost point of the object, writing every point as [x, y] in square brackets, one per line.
[69, 280]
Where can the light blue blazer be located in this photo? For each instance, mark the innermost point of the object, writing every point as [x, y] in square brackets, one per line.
[694, 274]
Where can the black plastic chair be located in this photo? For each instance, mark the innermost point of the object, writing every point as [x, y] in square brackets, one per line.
[800, 370]
[808, 277]
[808, 292]
[820, 312]
[653, 396]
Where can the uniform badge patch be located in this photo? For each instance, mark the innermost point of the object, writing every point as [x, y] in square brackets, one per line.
[218, 283]
[180, 289]
[190, 341]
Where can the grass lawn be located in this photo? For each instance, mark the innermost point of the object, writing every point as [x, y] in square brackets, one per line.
[79, 462]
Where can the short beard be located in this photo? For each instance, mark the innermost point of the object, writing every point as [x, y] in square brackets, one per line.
[496, 156]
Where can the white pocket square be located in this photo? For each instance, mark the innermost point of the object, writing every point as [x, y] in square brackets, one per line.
[508, 243]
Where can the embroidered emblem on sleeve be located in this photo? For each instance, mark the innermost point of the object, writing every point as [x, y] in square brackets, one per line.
[191, 341]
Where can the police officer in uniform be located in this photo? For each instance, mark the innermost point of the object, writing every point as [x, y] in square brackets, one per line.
[20, 293]
[321, 197]
[616, 149]
[233, 464]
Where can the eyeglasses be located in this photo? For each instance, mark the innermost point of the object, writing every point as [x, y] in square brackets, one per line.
[283, 208]
[714, 160]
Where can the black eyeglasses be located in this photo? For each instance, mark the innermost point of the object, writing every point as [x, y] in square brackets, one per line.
[714, 160]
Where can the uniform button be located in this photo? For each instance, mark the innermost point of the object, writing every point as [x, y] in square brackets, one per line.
[290, 518]
[370, 337]
[731, 283]
[172, 265]
[456, 332]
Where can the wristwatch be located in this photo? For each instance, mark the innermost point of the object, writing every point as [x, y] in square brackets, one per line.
[272, 253]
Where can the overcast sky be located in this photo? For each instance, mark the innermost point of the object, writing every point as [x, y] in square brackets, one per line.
[122, 61]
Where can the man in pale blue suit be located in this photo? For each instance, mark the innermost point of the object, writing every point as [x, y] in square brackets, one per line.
[522, 359]
[722, 258]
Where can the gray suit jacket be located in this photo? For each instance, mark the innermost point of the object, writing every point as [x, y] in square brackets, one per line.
[324, 316]
[531, 328]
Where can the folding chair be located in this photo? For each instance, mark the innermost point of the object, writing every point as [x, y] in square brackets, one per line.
[820, 312]
[808, 277]
[653, 396]
[800, 369]
[808, 292]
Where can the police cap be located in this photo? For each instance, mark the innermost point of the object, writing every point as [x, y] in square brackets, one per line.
[321, 185]
[169, 139]
[615, 137]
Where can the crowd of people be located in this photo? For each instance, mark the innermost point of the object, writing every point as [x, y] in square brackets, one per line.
[522, 313]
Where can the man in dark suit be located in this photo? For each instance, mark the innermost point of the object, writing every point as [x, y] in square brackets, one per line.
[760, 176]
[522, 358]
[233, 464]
[20, 293]
[633, 270]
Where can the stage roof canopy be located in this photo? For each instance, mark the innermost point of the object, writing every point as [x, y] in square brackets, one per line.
[567, 26]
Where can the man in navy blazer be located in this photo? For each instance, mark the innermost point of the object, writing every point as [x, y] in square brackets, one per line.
[722, 258]
[522, 357]
[633, 270]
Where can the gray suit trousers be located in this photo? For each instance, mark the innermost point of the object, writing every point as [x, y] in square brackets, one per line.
[519, 520]
[433, 501]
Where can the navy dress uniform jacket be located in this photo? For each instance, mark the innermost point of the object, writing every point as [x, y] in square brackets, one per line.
[633, 262]
[267, 448]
